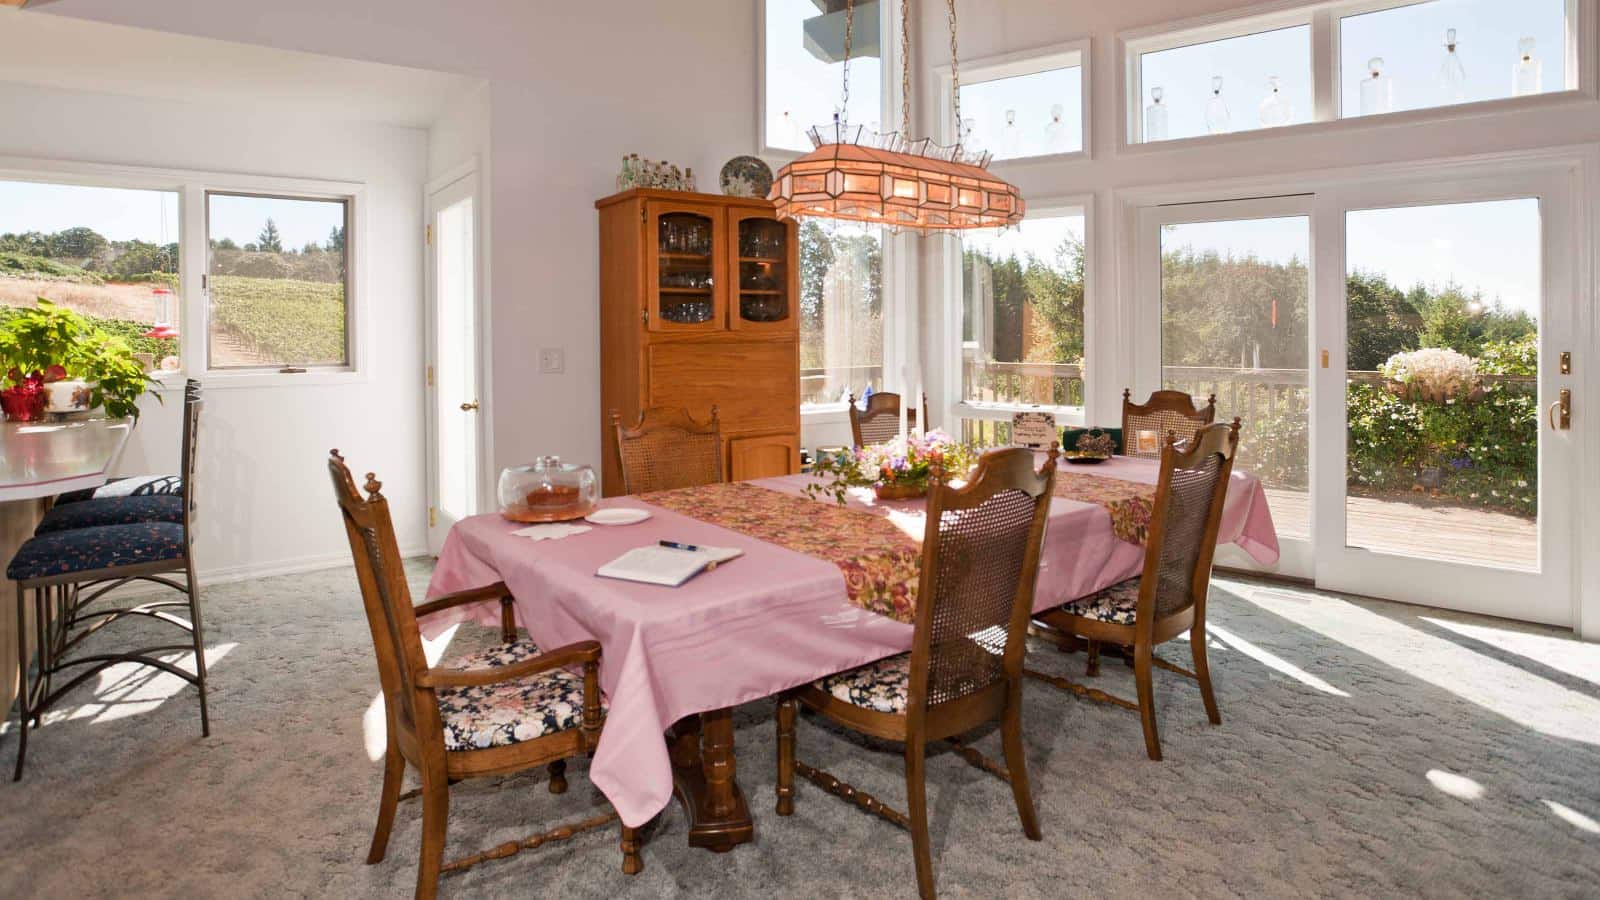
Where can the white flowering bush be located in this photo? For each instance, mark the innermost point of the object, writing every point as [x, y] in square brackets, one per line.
[1432, 373]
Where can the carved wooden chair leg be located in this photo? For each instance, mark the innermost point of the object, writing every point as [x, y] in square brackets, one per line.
[917, 801]
[394, 770]
[435, 820]
[1093, 671]
[786, 745]
[632, 863]
[1202, 672]
[558, 776]
[1143, 672]
[1017, 764]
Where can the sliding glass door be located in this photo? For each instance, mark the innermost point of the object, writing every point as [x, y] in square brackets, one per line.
[1395, 352]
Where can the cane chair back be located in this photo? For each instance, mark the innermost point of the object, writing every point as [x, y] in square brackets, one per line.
[1184, 522]
[668, 449]
[980, 563]
[879, 423]
[1166, 412]
[391, 616]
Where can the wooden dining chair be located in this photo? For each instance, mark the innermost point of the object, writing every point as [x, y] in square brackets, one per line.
[1165, 411]
[507, 709]
[879, 423]
[1169, 597]
[980, 561]
[668, 449]
[83, 551]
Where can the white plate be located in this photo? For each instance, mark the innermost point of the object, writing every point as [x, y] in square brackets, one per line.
[617, 515]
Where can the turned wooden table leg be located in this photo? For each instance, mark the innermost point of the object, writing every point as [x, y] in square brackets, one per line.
[704, 778]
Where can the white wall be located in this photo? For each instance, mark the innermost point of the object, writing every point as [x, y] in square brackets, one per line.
[265, 501]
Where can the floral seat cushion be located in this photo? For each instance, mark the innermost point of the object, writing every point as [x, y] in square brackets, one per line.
[113, 511]
[882, 686]
[132, 486]
[496, 715]
[1114, 604]
[101, 547]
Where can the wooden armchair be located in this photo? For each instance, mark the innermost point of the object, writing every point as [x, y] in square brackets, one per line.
[451, 721]
[880, 422]
[980, 560]
[668, 449]
[1165, 412]
[1169, 598]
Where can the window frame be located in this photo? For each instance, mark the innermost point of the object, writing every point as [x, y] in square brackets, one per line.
[192, 185]
[889, 90]
[1078, 52]
[350, 282]
[958, 407]
[1323, 18]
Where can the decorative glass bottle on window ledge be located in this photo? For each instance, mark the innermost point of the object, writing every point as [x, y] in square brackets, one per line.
[1011, 137]
[1217, 118]
[1452, 74]
[1377, 89]
[1275, 107]
[1155, 116]
[1055, 134]
[1527, 76]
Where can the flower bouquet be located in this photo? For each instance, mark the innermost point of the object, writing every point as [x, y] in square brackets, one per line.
[25, 398]
[900, 469]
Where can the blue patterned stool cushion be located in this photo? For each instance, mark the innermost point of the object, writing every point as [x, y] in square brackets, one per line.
[495, 715]
[882, 686]
[113, 511]
[101, 547]
[134, 486]
[1114, 604]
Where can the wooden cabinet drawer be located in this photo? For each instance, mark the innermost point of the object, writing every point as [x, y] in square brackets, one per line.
[763, 457]
[754, 384]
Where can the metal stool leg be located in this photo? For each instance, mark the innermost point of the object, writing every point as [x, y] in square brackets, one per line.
[22, 682]
[192, 588]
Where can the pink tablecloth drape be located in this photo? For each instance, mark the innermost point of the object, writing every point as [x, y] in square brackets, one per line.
[768, 621]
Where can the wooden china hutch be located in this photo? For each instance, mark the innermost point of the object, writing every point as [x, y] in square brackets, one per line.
[699, 307]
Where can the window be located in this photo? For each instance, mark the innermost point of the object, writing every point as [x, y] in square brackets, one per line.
[277, 282]
[1022, 316]
[1211, 76]
[110, 254]
[1023, 107]
[1404, 58]
[803, 69]
[1242, 83]
[841, 311]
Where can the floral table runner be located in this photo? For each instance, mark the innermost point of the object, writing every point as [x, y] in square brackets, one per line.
[881, 563]
[1130, 503]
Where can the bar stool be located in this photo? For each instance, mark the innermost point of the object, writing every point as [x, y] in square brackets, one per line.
[64, 571]
[122, 501]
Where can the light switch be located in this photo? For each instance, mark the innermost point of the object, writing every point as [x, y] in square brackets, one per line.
[552, 361]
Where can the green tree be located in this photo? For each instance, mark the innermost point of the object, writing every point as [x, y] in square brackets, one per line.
[269, 240]
[335, 242]
[1381, 321]
[1055, 293]
[77, 243]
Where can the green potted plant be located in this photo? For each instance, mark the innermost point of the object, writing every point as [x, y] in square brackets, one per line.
[55, 349]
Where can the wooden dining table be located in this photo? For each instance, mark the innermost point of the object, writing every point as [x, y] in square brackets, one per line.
[819, 589]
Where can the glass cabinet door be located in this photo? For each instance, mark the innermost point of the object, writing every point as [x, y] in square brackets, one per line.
[765, 255]
[684, 257]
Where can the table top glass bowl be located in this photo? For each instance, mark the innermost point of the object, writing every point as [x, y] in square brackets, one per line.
[548, 491]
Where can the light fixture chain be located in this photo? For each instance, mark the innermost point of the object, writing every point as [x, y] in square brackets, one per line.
[905, 69]
[955, 71]
[849, 35]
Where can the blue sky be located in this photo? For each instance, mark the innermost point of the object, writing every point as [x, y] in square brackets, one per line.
[807, 88]
[152, 216]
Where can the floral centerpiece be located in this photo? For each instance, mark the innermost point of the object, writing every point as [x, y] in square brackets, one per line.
[900, 469]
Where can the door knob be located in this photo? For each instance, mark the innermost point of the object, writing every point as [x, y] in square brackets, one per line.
[1561, 412]
[469, 407]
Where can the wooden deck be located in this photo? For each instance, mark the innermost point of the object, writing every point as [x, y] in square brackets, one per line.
[1443, 533]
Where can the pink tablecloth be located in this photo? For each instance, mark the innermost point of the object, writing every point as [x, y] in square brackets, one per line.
[764, 623]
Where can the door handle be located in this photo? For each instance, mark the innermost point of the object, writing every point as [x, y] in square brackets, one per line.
[469, 407]
[1563, 420]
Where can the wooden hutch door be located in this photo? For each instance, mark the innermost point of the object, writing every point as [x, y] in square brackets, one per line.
[765, 255]
[684, 260]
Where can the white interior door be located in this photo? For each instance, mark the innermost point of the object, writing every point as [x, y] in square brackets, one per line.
[1225, 309]
[454, 414]
[1464, 499]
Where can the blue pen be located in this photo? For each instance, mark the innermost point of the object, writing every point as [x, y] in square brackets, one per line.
[677, 546]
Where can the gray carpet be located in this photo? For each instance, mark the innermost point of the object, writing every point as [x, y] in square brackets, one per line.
[1366, 749]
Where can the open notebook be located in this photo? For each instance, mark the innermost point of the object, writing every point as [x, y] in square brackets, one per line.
[668, 566]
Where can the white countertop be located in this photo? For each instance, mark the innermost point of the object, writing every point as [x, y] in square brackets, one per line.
[42, 459]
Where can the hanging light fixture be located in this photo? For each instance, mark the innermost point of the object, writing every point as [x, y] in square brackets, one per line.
[888, 179]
